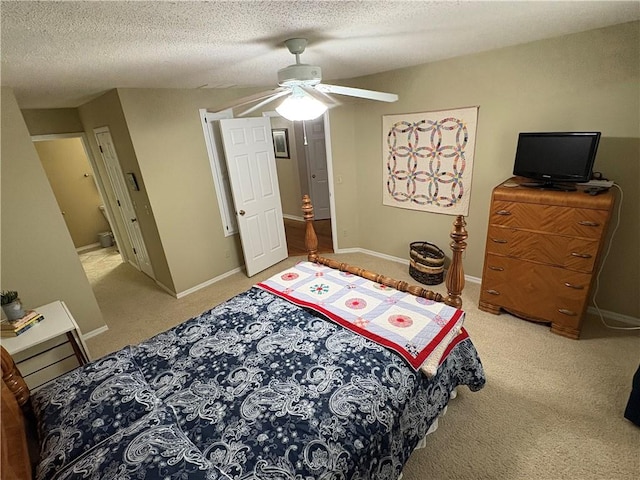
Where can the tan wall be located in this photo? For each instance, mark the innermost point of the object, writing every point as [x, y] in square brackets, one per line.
[38, 258]
[346, 178]
[107, 111]
[169, 143]
[586, 81]
[52, 121]
[71, 178]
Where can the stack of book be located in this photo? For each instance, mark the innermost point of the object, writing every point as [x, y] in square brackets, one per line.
[15, 328]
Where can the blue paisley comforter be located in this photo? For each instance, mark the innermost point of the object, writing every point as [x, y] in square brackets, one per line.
[256, 388]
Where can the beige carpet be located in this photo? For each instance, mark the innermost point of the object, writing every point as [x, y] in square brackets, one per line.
[552, 407]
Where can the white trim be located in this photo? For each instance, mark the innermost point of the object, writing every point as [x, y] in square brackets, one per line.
[619, 317]
[94, 333]
[84, 248]
[166, 289]
[332, 202]
[384, 256]
[221, 185]
[55, 136]
[209, 282]
[292, 217]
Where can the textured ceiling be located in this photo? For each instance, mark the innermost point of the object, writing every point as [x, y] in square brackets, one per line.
[62, 54]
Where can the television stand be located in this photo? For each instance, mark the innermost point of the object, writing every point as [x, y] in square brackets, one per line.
[562, 187]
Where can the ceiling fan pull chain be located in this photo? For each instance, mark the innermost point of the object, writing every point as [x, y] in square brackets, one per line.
[304, 133]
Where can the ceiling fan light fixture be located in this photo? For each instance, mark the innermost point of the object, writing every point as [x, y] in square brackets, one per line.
[301, 107]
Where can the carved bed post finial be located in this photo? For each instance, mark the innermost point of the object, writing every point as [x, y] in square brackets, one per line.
[13, 379]
[455, 274]
[310, 237]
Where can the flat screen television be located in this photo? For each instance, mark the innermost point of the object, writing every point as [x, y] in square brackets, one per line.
[556, 160]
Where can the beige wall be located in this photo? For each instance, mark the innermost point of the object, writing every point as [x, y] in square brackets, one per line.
[71, 178]
[106, 111]
[52, 121]
[38, 258]
[586, 81]
[346, 178]
[168, 138]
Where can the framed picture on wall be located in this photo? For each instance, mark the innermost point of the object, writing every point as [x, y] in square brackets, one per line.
[280, 142]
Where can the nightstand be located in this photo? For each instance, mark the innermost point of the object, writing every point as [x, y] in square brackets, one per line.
[50, 348]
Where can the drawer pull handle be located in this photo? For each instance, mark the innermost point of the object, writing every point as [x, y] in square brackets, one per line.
[497, 269]
[571, 285]
[498, 240]
[580, 255]
[588, 223]
[564, 311]
[493, 292]
[503, 212]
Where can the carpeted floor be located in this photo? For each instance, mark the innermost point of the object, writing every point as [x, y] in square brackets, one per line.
[552, 407]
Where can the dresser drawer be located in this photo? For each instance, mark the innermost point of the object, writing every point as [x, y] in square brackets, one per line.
[580, 222]
[540, 291]
[574, 253]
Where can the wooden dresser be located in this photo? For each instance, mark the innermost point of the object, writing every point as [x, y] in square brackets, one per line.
[542, 253]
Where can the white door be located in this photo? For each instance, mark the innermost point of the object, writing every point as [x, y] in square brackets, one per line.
[129, 217]
[254, 187]
[316, 155]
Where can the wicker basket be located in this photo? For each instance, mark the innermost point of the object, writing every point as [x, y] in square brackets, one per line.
[426, 263]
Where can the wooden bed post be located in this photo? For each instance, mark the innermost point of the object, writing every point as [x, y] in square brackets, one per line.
[13, 379]
[310, 237]
[455, 274]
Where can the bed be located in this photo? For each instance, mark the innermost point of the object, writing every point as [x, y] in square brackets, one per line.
[266, 385]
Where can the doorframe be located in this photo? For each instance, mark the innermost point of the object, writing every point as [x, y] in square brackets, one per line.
[134, 261]
[327, 145]
[227, 212]
[96, 176]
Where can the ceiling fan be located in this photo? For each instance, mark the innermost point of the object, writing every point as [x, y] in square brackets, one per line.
[303, 96]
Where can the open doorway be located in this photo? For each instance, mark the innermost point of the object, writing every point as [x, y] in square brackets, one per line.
[293, 176]
[72, 178]
[314, 177]
[307, 170]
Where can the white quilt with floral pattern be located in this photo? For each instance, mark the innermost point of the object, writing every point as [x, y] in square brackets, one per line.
[416, 328]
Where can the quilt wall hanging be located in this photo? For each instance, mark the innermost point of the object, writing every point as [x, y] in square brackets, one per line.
[428, 160]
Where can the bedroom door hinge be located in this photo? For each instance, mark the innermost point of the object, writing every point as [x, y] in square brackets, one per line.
[119, 203]
[100, 147]
[134, 251]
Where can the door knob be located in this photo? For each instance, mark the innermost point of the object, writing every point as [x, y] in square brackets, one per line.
[241, 212]
[133, 220]
[313, 176]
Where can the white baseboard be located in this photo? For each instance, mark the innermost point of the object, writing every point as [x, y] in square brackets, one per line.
[208, 282]
[293, 217]
[84, 248]
[95, 332]
[615, 316]
[165, 288]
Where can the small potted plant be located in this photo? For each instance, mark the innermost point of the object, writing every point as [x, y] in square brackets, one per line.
[11, 305]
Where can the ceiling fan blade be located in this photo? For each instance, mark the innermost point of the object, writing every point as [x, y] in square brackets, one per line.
[256, 97]
[357, 92]
[266, 101]
[328, 100]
